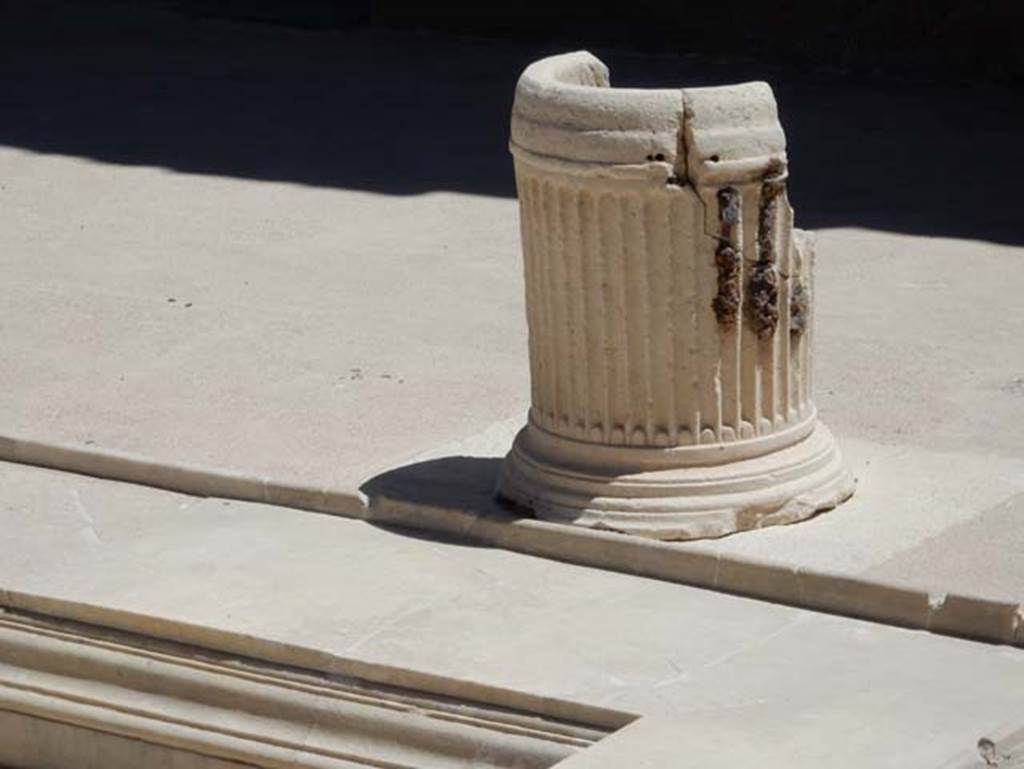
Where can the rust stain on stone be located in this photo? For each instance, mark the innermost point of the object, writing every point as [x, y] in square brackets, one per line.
[728, 210]
[798, 308]
[776, 167]
[726, 303]
[763, 299]
[763, 291]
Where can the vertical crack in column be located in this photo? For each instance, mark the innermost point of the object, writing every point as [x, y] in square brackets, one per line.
[567, 329]
[544, 310]
[576, 290]
[624, 354]
[638, 328]
[551, 311]
[594, 324]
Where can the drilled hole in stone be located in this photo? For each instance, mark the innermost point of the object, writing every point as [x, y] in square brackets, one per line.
[714, 158]
[659, 156]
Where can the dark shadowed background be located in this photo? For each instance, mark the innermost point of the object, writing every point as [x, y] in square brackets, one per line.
[900, 115]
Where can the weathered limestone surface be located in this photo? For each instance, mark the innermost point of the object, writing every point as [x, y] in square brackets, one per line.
[40, 743]
[899, 375]
[98, 362]
[295, 590]
[123, 700]
[670, 310]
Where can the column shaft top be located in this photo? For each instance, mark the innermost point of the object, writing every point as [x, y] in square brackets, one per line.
[566, 110]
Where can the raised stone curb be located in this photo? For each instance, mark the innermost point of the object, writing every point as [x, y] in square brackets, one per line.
[890, 602]
[893, 603]
[202, 482]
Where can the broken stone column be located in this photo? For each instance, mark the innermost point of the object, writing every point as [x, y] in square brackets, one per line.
[670, 308]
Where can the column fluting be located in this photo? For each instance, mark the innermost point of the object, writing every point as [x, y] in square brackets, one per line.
[669, 303]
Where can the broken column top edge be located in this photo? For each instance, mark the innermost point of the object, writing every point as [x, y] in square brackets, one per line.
[566, 112]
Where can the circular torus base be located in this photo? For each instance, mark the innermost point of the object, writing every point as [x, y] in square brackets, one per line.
[721, 490]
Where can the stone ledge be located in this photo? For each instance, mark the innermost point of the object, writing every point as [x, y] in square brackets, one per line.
[85, 618]
[903, 605]
[199, 481]
[569, 643]
[461, 505]
[204, 705]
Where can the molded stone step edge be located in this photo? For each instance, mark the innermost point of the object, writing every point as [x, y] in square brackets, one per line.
[146, 631]
[232, 708]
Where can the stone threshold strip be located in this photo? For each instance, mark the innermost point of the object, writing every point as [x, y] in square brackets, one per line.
[66, 685]
[480, 520]
[949, 614]
[184, 479]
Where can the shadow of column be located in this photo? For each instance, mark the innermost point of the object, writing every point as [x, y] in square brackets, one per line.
[451, 492]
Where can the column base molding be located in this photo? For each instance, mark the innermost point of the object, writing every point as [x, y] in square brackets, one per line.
[712, 499]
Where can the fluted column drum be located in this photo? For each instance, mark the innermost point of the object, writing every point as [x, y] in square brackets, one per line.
[670, 309]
